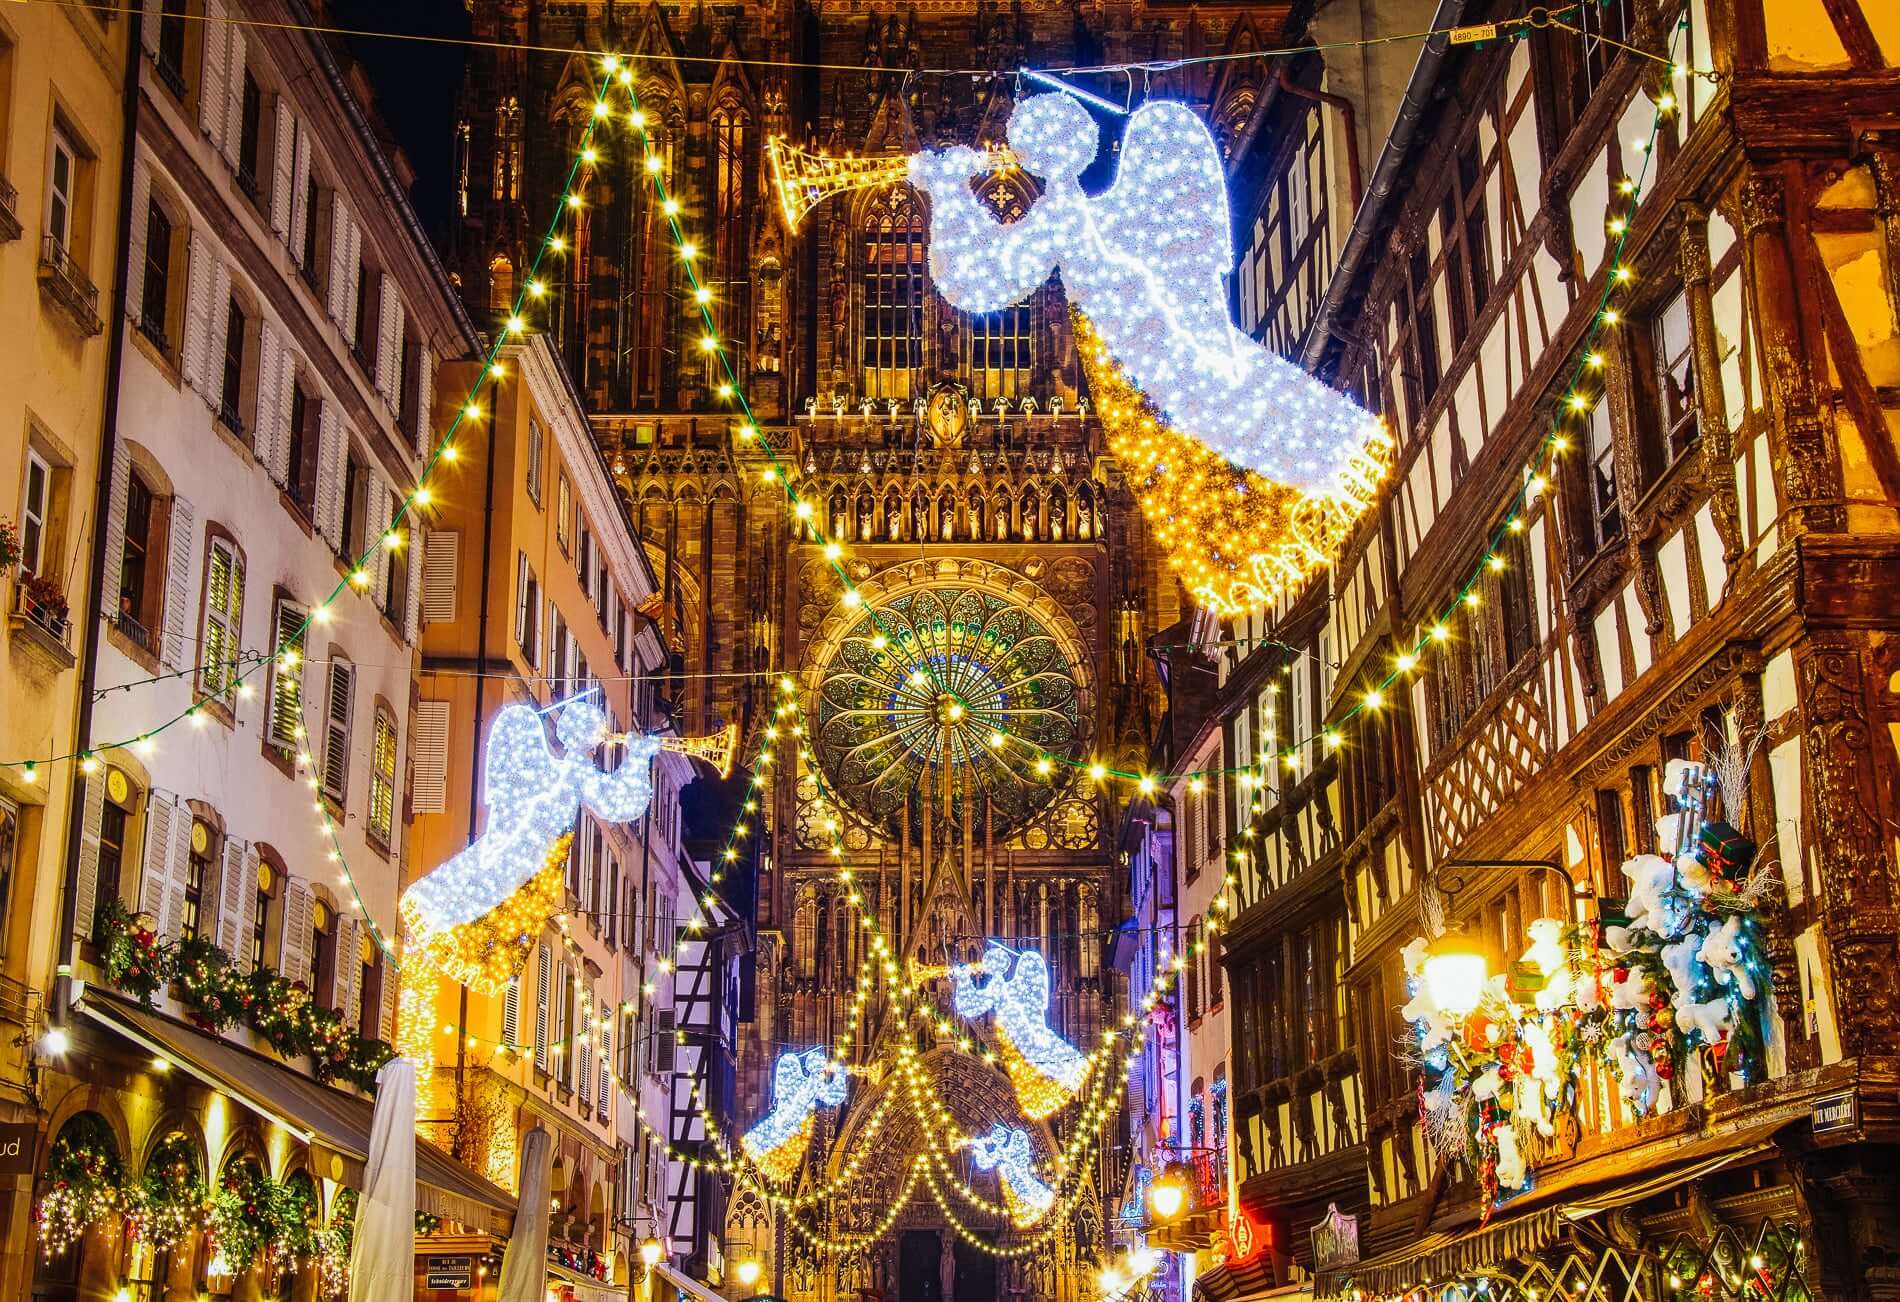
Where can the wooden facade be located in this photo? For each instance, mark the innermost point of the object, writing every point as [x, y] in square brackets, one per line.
[1713, 554]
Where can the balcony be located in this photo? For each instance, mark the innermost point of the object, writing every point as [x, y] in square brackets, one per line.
[41, 624]
[66, 287]
[9, 212]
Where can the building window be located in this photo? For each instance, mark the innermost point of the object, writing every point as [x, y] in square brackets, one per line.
[665, 1045]
[382, 777]
[155, 305]
[62, 191]
[263, 892]
[891, 325]
[231, 391]
[532, 479]
[197, 873]
[323, 954]
[286, 674]
[369, 1016]
[527, 611]
[115, 849]
[563, 508]
[1610, 831]
[1672, 358]
[250, 134]
[312, 269]
[301, 462]
[171, 45]
[363, 332]
[223, 621]
[730, 226]
[358, 483]
[1461, 226]
[9, 853]
[36, 503]
[338, 715]
[507, 149]
[1420, 361]
[139, 574]
[1606, 512]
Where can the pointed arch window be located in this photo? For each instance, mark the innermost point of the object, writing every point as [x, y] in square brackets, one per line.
[654, 260]
[1002, 343]
[729, 208]
[507, 184]
[891, 324]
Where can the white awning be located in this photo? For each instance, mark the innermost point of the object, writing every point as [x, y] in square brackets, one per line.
[686, 1283]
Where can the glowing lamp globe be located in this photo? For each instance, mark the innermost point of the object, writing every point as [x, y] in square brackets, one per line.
[651, 1250]
[1168, 1196]
[1455, 972]
[747, 1273]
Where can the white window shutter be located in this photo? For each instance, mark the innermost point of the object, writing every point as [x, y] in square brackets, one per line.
[179, 609]
[237, 888]
[158, 847]
[293, 951]
[389, 344]
[606, 1057]
[544, 977]
[339, 715]
[441, 559]
[199, 275]
[377, 510]
[584, 1068]
[135, 256]
[234, 98]
[115, 532]
[425, 400]
[331, 448]
[214, 72]
[348, 994]
[171, 918]
[88, 885]
[283, 168]
[273, 404]
[430, 741]
[217, 327]
[342, 280]
[151, 12]
[386, 1008]
[300, 214]
[352, 274]
[511, 1014]
[412, 591]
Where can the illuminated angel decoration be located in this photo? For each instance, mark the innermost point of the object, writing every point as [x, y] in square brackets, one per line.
[1251, 469]
[1007, 1151]
[474, 918]
[1013, 987]
[801, 1084]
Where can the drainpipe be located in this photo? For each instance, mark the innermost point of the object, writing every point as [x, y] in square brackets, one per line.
[1347, 116]
[108, 446]
[1386, 178]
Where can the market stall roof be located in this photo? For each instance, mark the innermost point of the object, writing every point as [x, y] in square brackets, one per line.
[585, 1288]
[1535, 1219]
[686, 1283]
[334, 1124]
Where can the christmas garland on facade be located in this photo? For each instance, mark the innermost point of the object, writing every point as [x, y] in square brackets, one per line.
[214, 995]
[1671, 983]
[85, 1183]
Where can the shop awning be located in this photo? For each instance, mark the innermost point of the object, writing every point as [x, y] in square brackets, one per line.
[585, 1288]
[333, 1124]
[1537, 1218]
[686, 1283]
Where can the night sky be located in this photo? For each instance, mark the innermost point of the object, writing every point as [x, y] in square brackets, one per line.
[418, 87]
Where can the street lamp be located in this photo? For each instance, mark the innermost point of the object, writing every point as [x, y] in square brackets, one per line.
[1456, 966]
[1168, 1195]
[747, 1272]
[651, 1250]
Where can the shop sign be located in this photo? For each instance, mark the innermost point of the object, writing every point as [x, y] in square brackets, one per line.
[17, 1140]
[1836, 1112]
[1247, 1237]
[1335, 1240]
[450, 1272]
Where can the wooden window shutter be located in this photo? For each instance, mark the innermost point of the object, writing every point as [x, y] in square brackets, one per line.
[200, 272]
[441, 558]
[425, 400]
[141, 203]
[342, 280]
[349, 969]
[214, 70]
[544, 976]
[159, 810]
[412, 590]
[332, 448]
[234, 97]
[283, 168]
[178, 611]
[231, 897]
[511, 1014]
[389, 344]
[430, 767]
[286, 685]
[293, 961]
[338, 714]
[171, 916]
[300, 214]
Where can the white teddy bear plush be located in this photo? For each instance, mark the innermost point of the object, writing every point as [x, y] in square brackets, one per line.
[1651, 877]
[1632, 992]
[1548, 953]
[1511, 1170]
[1636, 1074]
[1721, 950]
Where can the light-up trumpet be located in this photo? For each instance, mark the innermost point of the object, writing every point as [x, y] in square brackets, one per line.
[805, 178]
[716, 749]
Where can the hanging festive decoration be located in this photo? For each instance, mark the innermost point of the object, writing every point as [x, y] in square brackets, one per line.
[1013, 985]
[171, 1195]
[1007, 1151]
[84, 1185]
[1251, 470]
[1676, 983]
[801, 1083]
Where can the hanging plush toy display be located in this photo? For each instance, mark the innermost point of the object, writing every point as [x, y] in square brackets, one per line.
[1673, 996]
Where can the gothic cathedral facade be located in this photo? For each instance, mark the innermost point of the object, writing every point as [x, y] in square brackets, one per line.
[955, 461]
